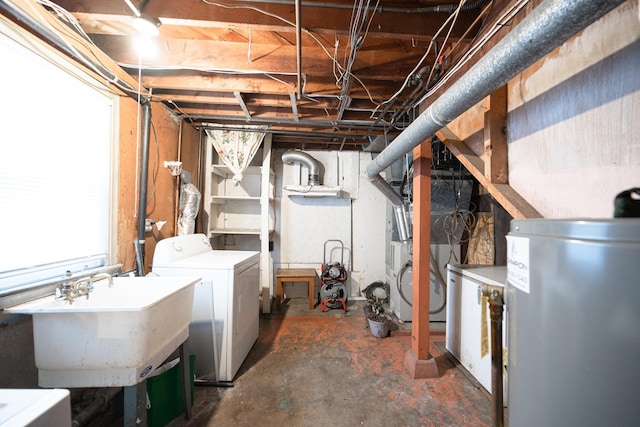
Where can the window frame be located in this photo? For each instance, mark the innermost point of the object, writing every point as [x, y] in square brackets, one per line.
[35, 281]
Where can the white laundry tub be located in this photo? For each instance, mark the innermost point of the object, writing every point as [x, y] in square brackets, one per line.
[34, 407]
[115, 337]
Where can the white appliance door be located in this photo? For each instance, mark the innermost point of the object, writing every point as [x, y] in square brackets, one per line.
[468, 329]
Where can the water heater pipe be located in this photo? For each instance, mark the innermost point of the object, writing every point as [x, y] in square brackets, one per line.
[290, 157]
[548, 26]
[496, 308]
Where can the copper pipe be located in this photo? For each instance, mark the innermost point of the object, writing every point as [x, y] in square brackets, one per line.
[496, 306]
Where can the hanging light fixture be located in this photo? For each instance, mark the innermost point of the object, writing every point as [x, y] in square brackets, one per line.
[145, 24]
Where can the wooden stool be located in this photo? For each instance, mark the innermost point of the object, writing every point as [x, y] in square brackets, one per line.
[295, 275]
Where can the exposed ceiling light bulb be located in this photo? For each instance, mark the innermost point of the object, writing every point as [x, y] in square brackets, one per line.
[147, 25]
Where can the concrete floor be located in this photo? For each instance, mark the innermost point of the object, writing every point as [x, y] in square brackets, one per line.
[310, 368]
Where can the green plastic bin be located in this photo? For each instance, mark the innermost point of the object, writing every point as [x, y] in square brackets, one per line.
[165, 395]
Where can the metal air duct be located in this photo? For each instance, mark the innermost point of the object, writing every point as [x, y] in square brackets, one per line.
[547, 27]
[313, 188]
[290, 157]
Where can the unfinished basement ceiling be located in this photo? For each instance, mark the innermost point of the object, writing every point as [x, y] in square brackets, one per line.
[320, 74]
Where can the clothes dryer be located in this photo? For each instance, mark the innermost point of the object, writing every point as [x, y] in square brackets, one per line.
[224, 323]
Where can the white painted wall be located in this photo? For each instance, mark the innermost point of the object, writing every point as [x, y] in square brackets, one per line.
[304, 225]
[573, 123]
[369, 230]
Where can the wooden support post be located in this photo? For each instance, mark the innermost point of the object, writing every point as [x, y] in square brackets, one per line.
[418, 361]
[496, 168]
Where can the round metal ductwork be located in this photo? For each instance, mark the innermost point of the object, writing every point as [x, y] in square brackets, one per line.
[290, 157]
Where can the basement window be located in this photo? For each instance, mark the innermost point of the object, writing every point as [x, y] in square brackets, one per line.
[55, 174]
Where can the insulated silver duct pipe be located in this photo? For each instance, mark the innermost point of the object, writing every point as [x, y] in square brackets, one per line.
[290, 157]
[399, 207]
[547, 27]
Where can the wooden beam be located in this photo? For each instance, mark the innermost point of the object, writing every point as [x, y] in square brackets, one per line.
[240, 100]
[495, 159]
[506, 196]
[252, 100]
[418, 361]
[263, 109]
[257, 83]
[267, 56]
[320, 129]
[331, 20]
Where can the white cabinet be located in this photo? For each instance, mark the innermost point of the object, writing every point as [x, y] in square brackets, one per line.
[468, 330]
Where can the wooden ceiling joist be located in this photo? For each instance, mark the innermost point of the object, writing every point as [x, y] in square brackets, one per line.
[211, 59]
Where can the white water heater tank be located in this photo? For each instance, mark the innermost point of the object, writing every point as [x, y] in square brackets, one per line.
[573, 315]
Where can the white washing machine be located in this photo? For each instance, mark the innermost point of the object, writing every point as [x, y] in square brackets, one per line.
[224, 323]
[401, 290]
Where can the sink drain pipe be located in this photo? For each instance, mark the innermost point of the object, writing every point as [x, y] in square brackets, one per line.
[548, 26]
[101, 399]
[210, 383]
[139, 243]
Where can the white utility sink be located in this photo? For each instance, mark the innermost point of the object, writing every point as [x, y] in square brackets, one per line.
[35, 408]
[116, 337]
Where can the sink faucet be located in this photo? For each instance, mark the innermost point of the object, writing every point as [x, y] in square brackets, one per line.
[66, 290]
[82, 287]
[99, 276]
